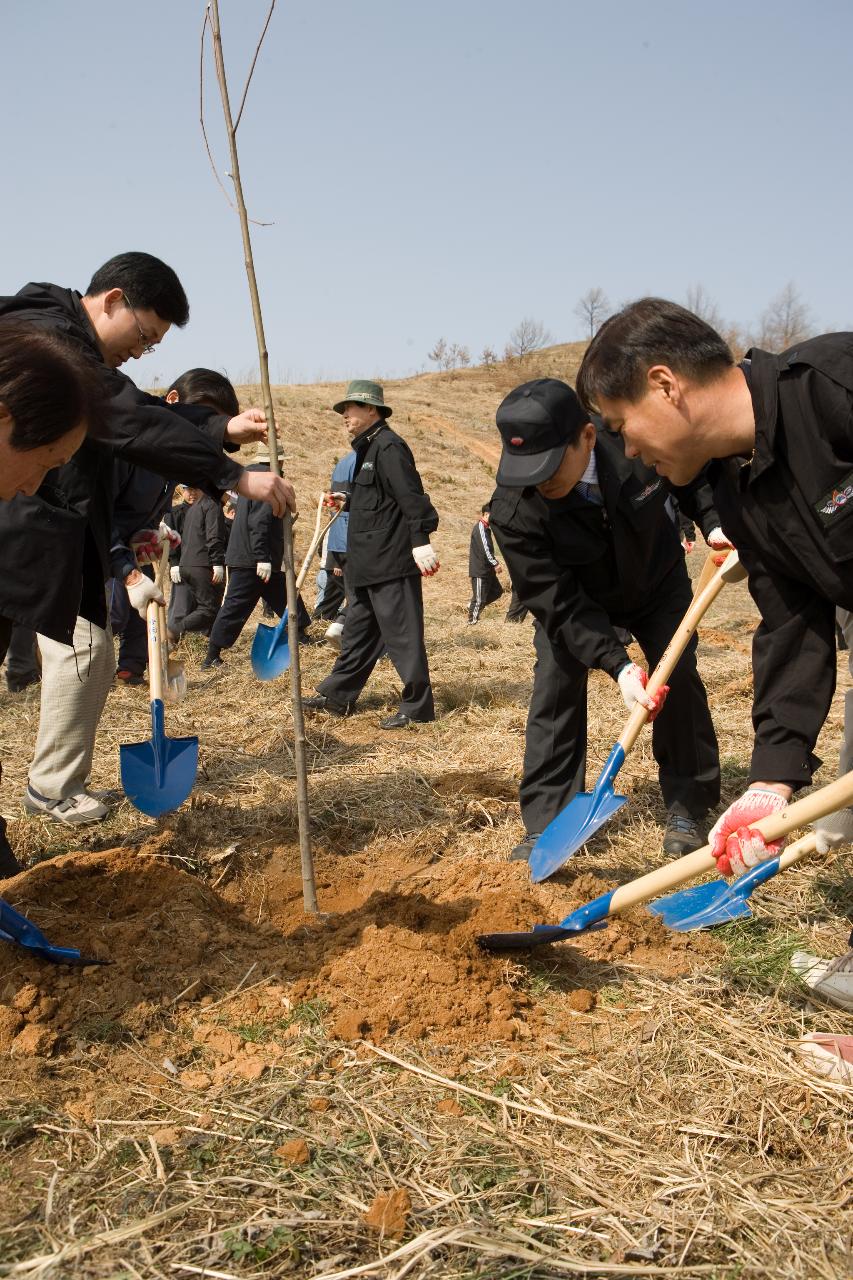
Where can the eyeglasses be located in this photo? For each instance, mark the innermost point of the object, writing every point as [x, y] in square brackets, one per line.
[147, 345]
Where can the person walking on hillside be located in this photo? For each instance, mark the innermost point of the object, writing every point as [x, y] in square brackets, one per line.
[388, 552]
[592, 548]
[483, 567]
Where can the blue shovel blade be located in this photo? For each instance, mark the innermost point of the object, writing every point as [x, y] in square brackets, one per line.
[578, 822]
[592, 915]
[271, 650]
[157, 776]
[718, 902]
[17, 929]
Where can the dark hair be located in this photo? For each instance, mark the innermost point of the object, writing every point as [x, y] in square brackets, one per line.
[47, 386]
[206, 386]
[485, 508]
[648, 332]
[147, 283]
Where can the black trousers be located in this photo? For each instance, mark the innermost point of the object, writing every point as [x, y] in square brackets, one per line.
[683, 739]
[516, 611]
[21, 657]
[484, 590]
[206, 599]
[389, 615]
[245, 589]
[332, 606]
[127, 624]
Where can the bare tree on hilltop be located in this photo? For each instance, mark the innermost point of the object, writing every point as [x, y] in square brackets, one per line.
[438, 355]
[785, 320]
[592, 309]
[700, 302]
[529, 335]
[488, 357]
[449, 355]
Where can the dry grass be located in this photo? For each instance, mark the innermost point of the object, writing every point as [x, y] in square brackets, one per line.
[669, 1131]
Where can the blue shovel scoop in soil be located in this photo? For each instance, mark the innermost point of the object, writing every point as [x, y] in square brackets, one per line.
[157, 776]
[589, 810]
[271, 645]
[20, 931]
[720, 901]
[835, 795]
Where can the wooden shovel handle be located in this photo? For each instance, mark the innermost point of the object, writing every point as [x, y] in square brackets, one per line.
[319, 535]
[155, 667]
[731, 570]
[835, 795]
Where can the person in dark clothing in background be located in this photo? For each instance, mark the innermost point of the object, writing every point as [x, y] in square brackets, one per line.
[201, 567]
[254, 558]
[388, 551]
[590, 546]
[483, 567]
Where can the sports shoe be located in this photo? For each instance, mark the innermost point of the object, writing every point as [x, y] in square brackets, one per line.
[319, 702]
[333, 634]
[828, 1055]
[524, 848]
[683, 833]
[830, 979]
[75, 810]
[129, 678]
[211, 663]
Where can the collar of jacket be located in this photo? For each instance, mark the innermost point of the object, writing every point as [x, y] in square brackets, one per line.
[368, 435]
[763, 387]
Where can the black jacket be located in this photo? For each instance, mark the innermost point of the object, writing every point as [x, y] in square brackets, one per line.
[789, 512]
[389, 513]
[203, 534]
[257, 536]
[582, 569]
[56, 545]
[141, 500]
[482, 560]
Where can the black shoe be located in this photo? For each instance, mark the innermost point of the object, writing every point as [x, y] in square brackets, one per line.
[211, 663]
[398, 721]
[17, 684]
[319, 702]
[9, 864]
[683, 834]
[524, 848]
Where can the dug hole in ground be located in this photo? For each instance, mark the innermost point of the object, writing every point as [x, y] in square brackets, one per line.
[248, 1091]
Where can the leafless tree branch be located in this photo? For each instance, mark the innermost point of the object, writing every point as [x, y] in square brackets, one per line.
[252, 68]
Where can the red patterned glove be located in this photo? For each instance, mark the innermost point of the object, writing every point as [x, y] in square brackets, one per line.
[146, 547]
[632, 681]
[733, 844]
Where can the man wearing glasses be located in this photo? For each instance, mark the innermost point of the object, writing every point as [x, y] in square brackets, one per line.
[56, 585]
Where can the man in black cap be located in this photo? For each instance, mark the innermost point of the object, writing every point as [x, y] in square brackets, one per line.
[388, 551]
[591, 547]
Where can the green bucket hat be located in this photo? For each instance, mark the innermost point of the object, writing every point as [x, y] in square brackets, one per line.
[361, 392]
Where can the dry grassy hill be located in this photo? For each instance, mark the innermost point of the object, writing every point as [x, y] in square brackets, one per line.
[247, 1092]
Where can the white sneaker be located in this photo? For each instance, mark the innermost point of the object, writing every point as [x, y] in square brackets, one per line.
[333, 634]
[75, 810]
[828, 1055]
[830, 979]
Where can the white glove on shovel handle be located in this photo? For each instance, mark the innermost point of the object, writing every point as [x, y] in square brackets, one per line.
[426, 560]
[141, 593]
[833, 830]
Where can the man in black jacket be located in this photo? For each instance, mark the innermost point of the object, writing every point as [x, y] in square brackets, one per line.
[772, 435]
[591, 547]
[129, 306]
[483, 567]
[388, 551]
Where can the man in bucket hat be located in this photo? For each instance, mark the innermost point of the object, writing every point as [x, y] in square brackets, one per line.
[591, 547]
[388, 552]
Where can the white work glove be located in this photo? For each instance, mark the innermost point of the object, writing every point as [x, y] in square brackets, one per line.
[426, 560]
[264, 570]
[632, 681]
[833, 830]
[718, 541]
[175, 573]
[141, 593]
[735, 847]
[218, 572]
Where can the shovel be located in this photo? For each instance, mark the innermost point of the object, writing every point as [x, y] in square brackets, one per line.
[835, 795]
[157, 776]
[17, 929]
[589, 810]
[171, 672]
[721, 901]
[270, 647]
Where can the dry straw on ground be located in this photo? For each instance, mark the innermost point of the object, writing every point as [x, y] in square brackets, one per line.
[234, 1095]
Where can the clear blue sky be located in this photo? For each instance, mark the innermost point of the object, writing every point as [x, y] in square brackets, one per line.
[440, 168]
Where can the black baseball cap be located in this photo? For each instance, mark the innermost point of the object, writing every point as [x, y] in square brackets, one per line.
[537, 422]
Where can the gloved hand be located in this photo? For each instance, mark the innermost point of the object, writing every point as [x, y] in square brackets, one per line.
[218, 574]
[835, 829]
[141, 591]
[146, 547]
[170, 535]
[687, 546]
[732, 843]
[426, 560]
[632, 682]
[175, 573]
[264, 570]
[718, 541]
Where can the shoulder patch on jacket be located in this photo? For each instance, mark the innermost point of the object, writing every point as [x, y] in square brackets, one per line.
[835, 500]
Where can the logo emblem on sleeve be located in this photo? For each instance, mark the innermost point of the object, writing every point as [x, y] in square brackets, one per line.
[517, 440]
[839, 498]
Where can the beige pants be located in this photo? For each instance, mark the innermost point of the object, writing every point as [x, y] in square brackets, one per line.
[75, 681]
